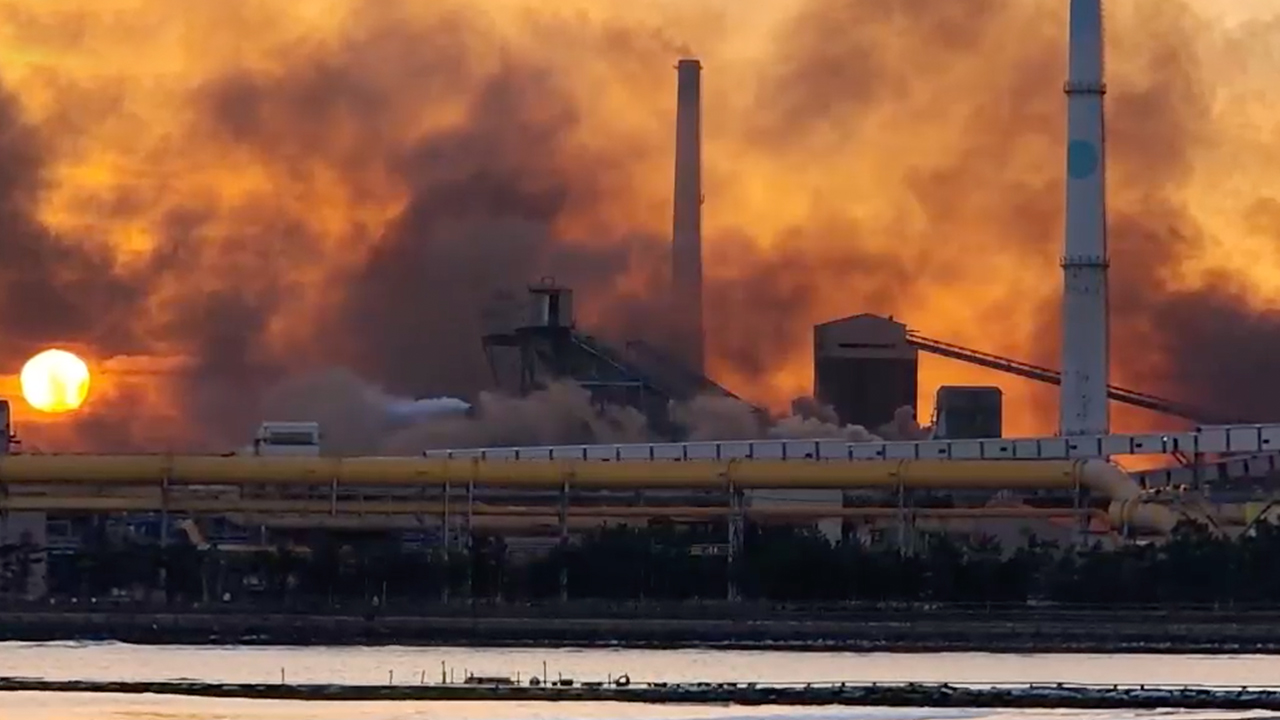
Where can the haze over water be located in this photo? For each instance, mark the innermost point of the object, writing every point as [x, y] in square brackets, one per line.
[356, 665]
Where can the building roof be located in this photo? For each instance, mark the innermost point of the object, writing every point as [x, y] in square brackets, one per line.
[864, 319]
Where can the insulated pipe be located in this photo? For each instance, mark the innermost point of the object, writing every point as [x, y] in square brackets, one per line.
[548, 523]
[1097, 476]
[99, 503]
[177, 470]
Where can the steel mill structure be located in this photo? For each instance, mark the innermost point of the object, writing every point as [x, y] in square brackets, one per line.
[963, 477]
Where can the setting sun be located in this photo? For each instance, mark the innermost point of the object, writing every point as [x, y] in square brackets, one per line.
[55, 381]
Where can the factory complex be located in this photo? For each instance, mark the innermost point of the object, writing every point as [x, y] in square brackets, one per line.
[961, 475]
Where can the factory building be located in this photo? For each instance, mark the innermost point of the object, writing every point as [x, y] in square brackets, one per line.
[865, 368]
[968, 412]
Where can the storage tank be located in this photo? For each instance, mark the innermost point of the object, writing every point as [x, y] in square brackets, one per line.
[864, 368]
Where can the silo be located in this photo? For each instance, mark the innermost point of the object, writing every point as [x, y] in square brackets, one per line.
[864, 368]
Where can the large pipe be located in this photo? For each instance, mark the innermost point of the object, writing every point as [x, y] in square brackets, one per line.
[382, 515]
[274, 506]
[1085, 317]
[548, 525]
[686, 232]
[1099, 477]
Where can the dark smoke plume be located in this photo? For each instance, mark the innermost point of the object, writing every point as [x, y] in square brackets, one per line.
[303, 192]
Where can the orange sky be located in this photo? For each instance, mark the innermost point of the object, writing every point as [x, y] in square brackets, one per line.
[900, 157]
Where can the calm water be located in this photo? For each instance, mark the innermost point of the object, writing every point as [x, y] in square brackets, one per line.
[113, 661]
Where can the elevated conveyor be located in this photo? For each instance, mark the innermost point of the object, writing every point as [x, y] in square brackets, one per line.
[1234, 470]
[1054, 377]
[671, 373]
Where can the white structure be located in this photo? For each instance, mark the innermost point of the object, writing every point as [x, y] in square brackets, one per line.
[1085, 321]
[287, 438]
[686, 235]
[1211, 440]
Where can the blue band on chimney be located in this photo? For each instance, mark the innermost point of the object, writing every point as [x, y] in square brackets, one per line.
[1082, 159]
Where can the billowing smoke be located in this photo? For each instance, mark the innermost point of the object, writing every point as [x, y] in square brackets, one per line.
[357, 418]
[720, 418]
[295, 187]
[562, 414]
[904, 426]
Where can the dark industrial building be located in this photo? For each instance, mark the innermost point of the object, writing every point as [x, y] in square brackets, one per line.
[543, 343]
[865, 368]
[964, 412]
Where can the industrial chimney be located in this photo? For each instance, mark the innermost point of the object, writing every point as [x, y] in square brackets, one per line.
[1085, 316]
[686, 236]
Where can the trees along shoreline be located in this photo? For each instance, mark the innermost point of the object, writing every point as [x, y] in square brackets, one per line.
[663, 562]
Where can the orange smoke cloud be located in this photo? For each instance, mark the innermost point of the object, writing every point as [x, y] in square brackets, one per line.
[270, 188]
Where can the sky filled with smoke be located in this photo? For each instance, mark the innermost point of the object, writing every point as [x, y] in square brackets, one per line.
[224, 196]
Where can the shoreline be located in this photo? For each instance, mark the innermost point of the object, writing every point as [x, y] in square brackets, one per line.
[867, 695]
[1073, 631]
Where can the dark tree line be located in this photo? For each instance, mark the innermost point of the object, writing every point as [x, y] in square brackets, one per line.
[669, 563]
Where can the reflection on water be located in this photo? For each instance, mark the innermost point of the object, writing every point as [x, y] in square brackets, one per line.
[47, 706]
[51, 706]
[115, 661]
[43, 706]
[369, 666]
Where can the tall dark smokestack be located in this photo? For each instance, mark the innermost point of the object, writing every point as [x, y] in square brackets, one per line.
[686, 235]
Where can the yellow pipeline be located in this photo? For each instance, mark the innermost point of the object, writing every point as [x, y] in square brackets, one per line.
[695, 474]
[1100, 477]
[100, 503]
[526, 523]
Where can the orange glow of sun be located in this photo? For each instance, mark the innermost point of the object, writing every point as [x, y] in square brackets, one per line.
[55, 381]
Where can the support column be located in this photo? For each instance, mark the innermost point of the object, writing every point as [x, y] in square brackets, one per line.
[736, 522]
[902, 518]
[564, 541]
[164, 512]
[164, 536]
[445, 542]
[471, 509]
[1079, 503]
[468, 541]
